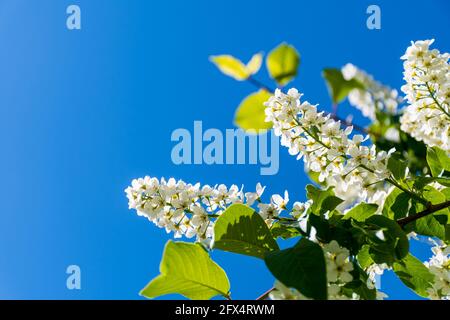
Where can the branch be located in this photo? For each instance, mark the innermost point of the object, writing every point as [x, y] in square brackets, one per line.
[431, 209]
[265, 294]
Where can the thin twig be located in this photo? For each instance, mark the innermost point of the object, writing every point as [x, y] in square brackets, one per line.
[265, 295]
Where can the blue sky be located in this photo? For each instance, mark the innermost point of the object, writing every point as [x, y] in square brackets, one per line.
[83, 112]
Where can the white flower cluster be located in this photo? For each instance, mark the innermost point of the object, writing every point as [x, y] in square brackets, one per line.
[439, 266]
[356, 171]
[427, 76]
[190, 210]
[338, 270]
[179, 207]
[373, 97]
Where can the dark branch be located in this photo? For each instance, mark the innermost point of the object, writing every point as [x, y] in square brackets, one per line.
[431, 209]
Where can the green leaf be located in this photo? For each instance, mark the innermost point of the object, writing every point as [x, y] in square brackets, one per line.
[282, 63]
[364, 257]
[397, 167]
[414, 274]
[254, 64]
[187, 269]
[361, 212]
[323, 200]
[283, 231]
[338, 86]
[250, 114]
[230, 66]
[438, 161]
[396, 205]
[301, 267]
[395, 244]
[242, 230]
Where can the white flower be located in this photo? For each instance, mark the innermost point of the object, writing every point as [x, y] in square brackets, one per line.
[373, 97]
[338, 263]
[426, 72]
[439, 266]
[280, 202]
[251, 197]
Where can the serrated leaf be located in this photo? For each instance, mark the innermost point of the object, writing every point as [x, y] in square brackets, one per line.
[187, 269]
[242, 230]
[301, 267]
[438, 161]
[338, 86]
[231, 66]
[413, 273]
[361, 212]
[282, 63]
[250, 114]
[323, 200]
[364, 258]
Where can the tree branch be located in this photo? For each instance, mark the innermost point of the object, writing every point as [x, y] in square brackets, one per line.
[431, 209]
[265, 294]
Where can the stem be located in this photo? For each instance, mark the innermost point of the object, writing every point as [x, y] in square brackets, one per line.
[431, 209]
[259, 84]
[265, 294]
[436, 101]
[411, 193]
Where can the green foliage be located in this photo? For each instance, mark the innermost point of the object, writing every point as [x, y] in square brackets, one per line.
[282, 63]
[397, 204]
[301, 267]
[361, 212]
[438, 161]
[389, 246]
[284, 231]
[234, 68]
[250, 114]
[414, 274]
[242, 230]
[323, 200]
[188, 270]
[338, 86]
[397, 167]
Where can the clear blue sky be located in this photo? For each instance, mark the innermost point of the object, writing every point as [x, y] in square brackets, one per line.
[84, 112]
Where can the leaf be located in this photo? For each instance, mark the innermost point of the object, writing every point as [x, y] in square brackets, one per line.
[283, 231]
[282, 63]
[250, 114]
[338, 86]
[323, 200]
[397, 167]
[254, 64]
[395, 244]
[301, 267]
[364, 258]
[438, 161]
[242, 230]
[361, 212]
[230, 66]
[188, 270]
[396, 205]
[414, 274]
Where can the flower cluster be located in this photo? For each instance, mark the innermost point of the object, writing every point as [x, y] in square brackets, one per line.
[427, 76]
[439, 266]
[190, 210]
[373, 97]
[355, 170]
